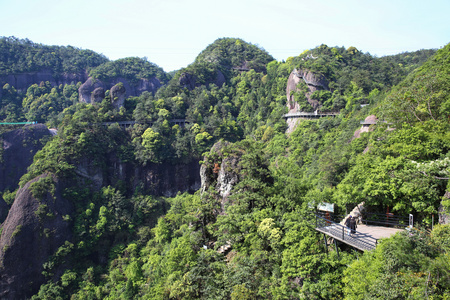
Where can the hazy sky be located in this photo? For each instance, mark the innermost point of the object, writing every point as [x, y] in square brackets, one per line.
[171, 33]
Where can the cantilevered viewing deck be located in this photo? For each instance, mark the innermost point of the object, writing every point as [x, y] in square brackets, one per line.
[365, 238]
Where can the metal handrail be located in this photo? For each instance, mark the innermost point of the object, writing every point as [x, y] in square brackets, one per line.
[385, 219]
[358, 239]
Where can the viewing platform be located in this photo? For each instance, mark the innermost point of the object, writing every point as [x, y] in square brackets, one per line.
[365, 237]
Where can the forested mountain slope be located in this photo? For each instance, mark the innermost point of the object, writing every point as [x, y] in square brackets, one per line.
[247, 231]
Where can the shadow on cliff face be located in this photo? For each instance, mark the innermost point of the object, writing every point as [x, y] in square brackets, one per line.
[19, 148]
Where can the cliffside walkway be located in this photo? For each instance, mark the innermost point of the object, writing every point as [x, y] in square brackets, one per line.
[309, 115]
[126, 124]
[17, 123]
[365, 238]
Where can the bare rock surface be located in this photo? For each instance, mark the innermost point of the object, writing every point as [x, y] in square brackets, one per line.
[19, 148]
[313, 81]
[444, 214]
[222, 175]
[3, 209]
[118, 94]
[32, 232]
[189, 81]
[89, 91]
[22, 81]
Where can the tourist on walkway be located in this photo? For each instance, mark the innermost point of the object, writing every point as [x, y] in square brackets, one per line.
[347, 224]
[353, 225]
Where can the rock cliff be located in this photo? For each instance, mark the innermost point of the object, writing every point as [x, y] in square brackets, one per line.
[221, 174]
[24, 80]
[120, 88]
[36, 226]
[3, 209]
[189, 81]
[163, 179]
[313, 81]
[19, 148]
[90, 91]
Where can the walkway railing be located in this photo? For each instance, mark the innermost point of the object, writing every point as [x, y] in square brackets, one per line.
[339, 232]
[386, 220]
[126, 124]
[310, 115]
[17, 123]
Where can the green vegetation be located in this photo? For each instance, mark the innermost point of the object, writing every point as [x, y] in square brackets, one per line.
[129, 245]
[132, 68]
[19, 56]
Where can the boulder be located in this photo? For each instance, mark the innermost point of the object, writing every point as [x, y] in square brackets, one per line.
[98, 95]
[118, 94]
[91, 90]
[86, 89]
[36, 226]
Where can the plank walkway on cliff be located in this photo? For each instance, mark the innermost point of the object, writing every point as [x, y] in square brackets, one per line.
[310, 115]
[126, 124]
[364, 239]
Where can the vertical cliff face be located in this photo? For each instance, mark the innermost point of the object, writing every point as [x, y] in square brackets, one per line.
[23, 80]
[38, 221]
[163, 179]
[19, 148]
[36, 226]
[313, 81]
[120, 88]
[90, 91]
[221, 174]
[3, 209]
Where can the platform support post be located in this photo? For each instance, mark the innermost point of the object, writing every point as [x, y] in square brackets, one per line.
[336, 247]
[326, 245]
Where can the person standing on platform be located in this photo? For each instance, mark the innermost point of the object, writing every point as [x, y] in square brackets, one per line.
[347, 224]
[353, 225]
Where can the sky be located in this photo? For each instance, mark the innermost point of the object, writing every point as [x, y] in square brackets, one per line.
[171, 33]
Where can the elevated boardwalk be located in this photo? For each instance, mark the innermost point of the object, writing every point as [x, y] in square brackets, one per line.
[309, 115]
[126, 124]
[365, 238]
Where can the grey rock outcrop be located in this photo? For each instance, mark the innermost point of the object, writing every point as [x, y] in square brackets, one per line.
[89, 92]
[98, 95]
[313, 81]
[164, 179]
[189, 81]
[19, 148]
[444, 214]
[86, 90]
[32, 232]
[222, 175]
[118, 94]
[22, 81]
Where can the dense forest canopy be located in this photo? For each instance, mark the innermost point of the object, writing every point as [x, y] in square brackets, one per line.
[248, 232]
[19, 56]
[132, 68]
